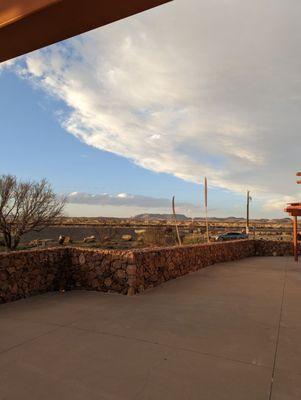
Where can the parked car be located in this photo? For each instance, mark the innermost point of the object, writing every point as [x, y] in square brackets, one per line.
[231, 236]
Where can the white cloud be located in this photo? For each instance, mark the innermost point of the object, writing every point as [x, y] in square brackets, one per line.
[126, 200]
[193, 88]
[7, 64]
[124, 196]
[276, 204]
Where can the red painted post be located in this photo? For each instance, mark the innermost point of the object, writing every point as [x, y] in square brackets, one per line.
[295, 226]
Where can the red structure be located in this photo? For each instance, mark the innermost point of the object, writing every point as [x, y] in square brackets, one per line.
[294, 209]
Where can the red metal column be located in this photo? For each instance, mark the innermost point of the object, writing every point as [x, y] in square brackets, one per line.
[295, 226]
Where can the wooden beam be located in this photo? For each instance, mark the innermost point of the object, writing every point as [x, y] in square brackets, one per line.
[27, 25]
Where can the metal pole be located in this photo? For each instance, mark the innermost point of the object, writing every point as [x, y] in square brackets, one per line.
[248, 213]
[206, 208]
[295, 233]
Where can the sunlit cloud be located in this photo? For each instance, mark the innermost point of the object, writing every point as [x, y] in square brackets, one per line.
[193, 88]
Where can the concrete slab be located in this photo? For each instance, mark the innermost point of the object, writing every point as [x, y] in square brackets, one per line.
[287, 386]
[289, 352]
[80, 364]
[215, 328]
[50, 308]
[222, 333]
[15, 333]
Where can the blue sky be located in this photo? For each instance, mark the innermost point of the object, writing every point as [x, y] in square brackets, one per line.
[34, 146]
[147, 107]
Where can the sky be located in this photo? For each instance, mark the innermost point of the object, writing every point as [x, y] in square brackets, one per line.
[122, 118]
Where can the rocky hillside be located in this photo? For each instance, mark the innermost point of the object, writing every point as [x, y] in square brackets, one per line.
[160, 217]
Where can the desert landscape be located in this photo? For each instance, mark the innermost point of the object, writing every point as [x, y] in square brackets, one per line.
[148, 230]
[149, 201]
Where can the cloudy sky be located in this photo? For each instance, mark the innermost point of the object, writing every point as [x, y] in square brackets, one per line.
[128, 115]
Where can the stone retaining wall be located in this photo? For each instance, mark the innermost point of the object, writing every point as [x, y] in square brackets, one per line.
[156, 266]
[266, 248]
[102, 270]
[26, 273]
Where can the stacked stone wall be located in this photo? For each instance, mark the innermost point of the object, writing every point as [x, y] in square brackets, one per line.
[156, 266]
[100, 270]
[27, 273]
[266, 248]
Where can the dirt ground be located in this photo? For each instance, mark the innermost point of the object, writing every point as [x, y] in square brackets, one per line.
[128, 233]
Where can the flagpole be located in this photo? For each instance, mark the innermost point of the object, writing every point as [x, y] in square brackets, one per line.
[175, 219]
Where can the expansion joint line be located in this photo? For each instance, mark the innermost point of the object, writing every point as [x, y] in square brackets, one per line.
[278, 333]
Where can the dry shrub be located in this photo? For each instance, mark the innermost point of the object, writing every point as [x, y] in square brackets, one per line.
[160, 237]
[194, 239]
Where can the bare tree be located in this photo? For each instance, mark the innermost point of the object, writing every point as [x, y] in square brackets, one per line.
[26, 206]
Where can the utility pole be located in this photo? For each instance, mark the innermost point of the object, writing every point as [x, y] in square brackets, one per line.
[206, 208]
[249, 198]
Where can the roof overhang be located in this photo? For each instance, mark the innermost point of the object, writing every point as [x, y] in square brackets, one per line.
[294, 209]
[27, 25]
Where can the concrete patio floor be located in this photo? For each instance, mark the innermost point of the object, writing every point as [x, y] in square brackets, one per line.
[230, 331]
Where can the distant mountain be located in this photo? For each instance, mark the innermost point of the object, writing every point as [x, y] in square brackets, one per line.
[220, 219]
[160, 217]
[227, 219]
[281, 220]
